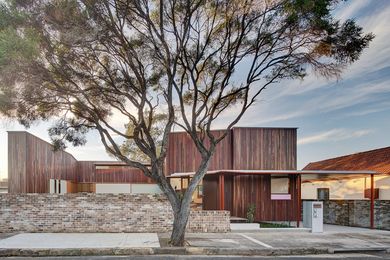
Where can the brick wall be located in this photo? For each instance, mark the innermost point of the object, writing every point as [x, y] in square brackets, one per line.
[81, 212]
[357, 213]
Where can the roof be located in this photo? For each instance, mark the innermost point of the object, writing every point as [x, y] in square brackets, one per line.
[244, 127]
[377, 160]
[259, 172]
[112, 163]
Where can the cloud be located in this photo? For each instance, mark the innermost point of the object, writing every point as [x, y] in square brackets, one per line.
[91, 152]
[377, 107]
[351, 9]
[362, 95]
[334, 135]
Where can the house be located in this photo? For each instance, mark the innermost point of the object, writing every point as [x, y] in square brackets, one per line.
[250, 167]
[352, 188]
[232, 183]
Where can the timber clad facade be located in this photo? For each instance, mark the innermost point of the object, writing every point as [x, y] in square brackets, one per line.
[256, 190]
[109, 172]
[184, 157]
[32, 163]
[264, 149]
[244, 149]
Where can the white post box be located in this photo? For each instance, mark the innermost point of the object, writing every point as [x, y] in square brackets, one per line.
[313, 216]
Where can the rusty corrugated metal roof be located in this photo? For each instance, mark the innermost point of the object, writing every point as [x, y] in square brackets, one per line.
[377, 160]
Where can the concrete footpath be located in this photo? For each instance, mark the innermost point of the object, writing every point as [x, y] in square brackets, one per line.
[260, 243]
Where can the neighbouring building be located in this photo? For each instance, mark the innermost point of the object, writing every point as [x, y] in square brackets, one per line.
[353, 200]
[351, 187]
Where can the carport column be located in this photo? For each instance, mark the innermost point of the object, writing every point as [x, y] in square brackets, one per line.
[299, 199]
[372, 202]
[221, 191]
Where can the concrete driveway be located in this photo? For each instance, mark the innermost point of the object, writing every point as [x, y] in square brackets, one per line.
[337, 237]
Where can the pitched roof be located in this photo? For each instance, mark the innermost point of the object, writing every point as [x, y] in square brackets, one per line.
[374, 160]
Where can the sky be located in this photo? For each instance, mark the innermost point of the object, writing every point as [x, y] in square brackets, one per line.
[334, 117]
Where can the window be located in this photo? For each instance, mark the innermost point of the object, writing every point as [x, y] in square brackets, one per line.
[323, 193]
[107, 167]
[57, 186]
[199, 190]
[280, 187]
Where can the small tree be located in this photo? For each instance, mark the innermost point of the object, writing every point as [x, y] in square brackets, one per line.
[81, 61]
[251, 212]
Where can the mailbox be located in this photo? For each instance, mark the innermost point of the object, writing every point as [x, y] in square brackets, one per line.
[313, 216]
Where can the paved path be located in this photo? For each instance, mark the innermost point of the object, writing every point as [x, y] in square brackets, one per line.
[262, 242]
[80, 240]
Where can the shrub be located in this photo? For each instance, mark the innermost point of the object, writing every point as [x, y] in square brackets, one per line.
[250, 213]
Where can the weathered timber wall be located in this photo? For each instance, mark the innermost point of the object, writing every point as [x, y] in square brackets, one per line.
[81, 212]
[32, 163]
[244, 148]
[87, 173]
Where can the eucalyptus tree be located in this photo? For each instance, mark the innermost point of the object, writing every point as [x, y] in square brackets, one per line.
[83, 62]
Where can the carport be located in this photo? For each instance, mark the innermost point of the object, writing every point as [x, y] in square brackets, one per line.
[233, 190]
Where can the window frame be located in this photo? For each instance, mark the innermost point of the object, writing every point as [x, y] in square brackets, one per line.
[281, 195]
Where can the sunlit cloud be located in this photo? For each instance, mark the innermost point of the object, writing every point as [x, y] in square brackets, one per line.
[333, 135]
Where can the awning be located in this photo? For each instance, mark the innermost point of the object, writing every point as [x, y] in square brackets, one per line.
[318, 173]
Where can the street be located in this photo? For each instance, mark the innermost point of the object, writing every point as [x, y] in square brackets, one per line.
[381, 255]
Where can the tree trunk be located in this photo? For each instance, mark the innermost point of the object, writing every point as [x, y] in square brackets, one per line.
[179, 227]
[182, 213]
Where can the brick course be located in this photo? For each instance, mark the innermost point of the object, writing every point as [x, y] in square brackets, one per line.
[89, 212]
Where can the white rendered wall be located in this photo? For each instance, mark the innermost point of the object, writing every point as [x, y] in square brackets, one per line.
[117, 188]
[114, 188]
[64, 187]
[348, 189]
[383, 183]
[51, 186]
[340, 189]
[145, 188]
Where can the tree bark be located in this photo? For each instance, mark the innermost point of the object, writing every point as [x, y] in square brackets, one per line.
[182, 214]
[179, 227]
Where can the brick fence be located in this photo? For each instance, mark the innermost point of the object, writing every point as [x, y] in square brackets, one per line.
[357, 213]
[82, 212]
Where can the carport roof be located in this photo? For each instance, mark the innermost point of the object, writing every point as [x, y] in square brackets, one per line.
[377, 160]
[265, 172]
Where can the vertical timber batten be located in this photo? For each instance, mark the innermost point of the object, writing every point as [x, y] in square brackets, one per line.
[299, 199]
[221, 191]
